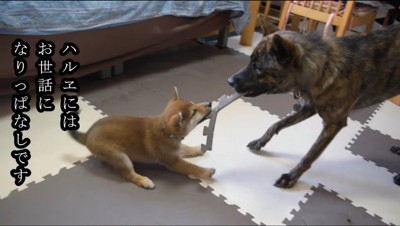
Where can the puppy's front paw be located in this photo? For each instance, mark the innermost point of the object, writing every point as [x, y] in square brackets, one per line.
[209, 172]
[145, 182]
[197, 150]
[206, 173]
[188, 151]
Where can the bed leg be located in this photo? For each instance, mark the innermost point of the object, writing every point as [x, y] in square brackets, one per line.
[111, 71]
[105, 73]
[223, 37]
[118, 69]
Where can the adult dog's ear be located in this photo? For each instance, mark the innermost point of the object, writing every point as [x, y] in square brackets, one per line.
[284, 50]
[266, 27]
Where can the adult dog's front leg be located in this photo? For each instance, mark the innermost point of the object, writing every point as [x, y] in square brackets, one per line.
[329, 131]
[290, 120]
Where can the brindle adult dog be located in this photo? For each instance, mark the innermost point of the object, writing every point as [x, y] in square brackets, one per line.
[333, 76]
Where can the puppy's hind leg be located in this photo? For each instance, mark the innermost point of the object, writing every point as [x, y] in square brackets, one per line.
[296, 117]
[123, 164]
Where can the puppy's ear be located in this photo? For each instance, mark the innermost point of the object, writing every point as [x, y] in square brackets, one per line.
[175, 96]
[284, 49]
[266, 26]
[176, 120]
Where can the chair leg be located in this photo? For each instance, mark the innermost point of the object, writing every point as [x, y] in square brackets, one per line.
[247, 34]
[284, 12]
[295, 23]
[312, 25]
[340, 30]
[266, 10]
[368, 27]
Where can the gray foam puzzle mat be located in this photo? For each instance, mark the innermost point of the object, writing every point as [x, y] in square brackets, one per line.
[90, 193]
[375, 147]
[331, 211]
[364, 114]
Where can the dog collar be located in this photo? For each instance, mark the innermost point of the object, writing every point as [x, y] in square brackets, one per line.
[297, 95]
[173, 136]
[176, 137]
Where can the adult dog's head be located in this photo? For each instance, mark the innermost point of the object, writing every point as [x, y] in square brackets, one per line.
[272, 64]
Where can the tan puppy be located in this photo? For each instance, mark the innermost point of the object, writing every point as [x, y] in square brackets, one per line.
[122, 140]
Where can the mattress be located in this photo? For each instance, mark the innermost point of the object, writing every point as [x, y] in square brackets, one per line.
[56, 17]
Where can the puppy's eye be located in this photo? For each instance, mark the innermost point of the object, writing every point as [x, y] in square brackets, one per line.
[194, 112]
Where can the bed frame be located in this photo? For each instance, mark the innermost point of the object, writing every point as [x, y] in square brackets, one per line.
[106, 49]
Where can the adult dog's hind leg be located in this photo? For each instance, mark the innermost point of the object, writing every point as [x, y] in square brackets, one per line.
[304, 113]
[329, 131]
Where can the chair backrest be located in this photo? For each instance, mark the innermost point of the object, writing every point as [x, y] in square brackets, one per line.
[339, 12]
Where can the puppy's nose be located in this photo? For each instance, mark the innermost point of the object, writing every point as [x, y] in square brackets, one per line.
[209, 104]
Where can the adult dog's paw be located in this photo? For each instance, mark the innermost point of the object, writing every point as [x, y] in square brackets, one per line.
[256, 145]
[285, 181]
[396, 179]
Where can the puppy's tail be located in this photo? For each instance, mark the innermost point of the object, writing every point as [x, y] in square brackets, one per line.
[78, 136]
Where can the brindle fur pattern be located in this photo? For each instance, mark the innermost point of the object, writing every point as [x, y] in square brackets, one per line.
[334, 75]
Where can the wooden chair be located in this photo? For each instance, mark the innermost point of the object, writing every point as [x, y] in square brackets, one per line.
[246, 38]
[344, 16]
[396, 100]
